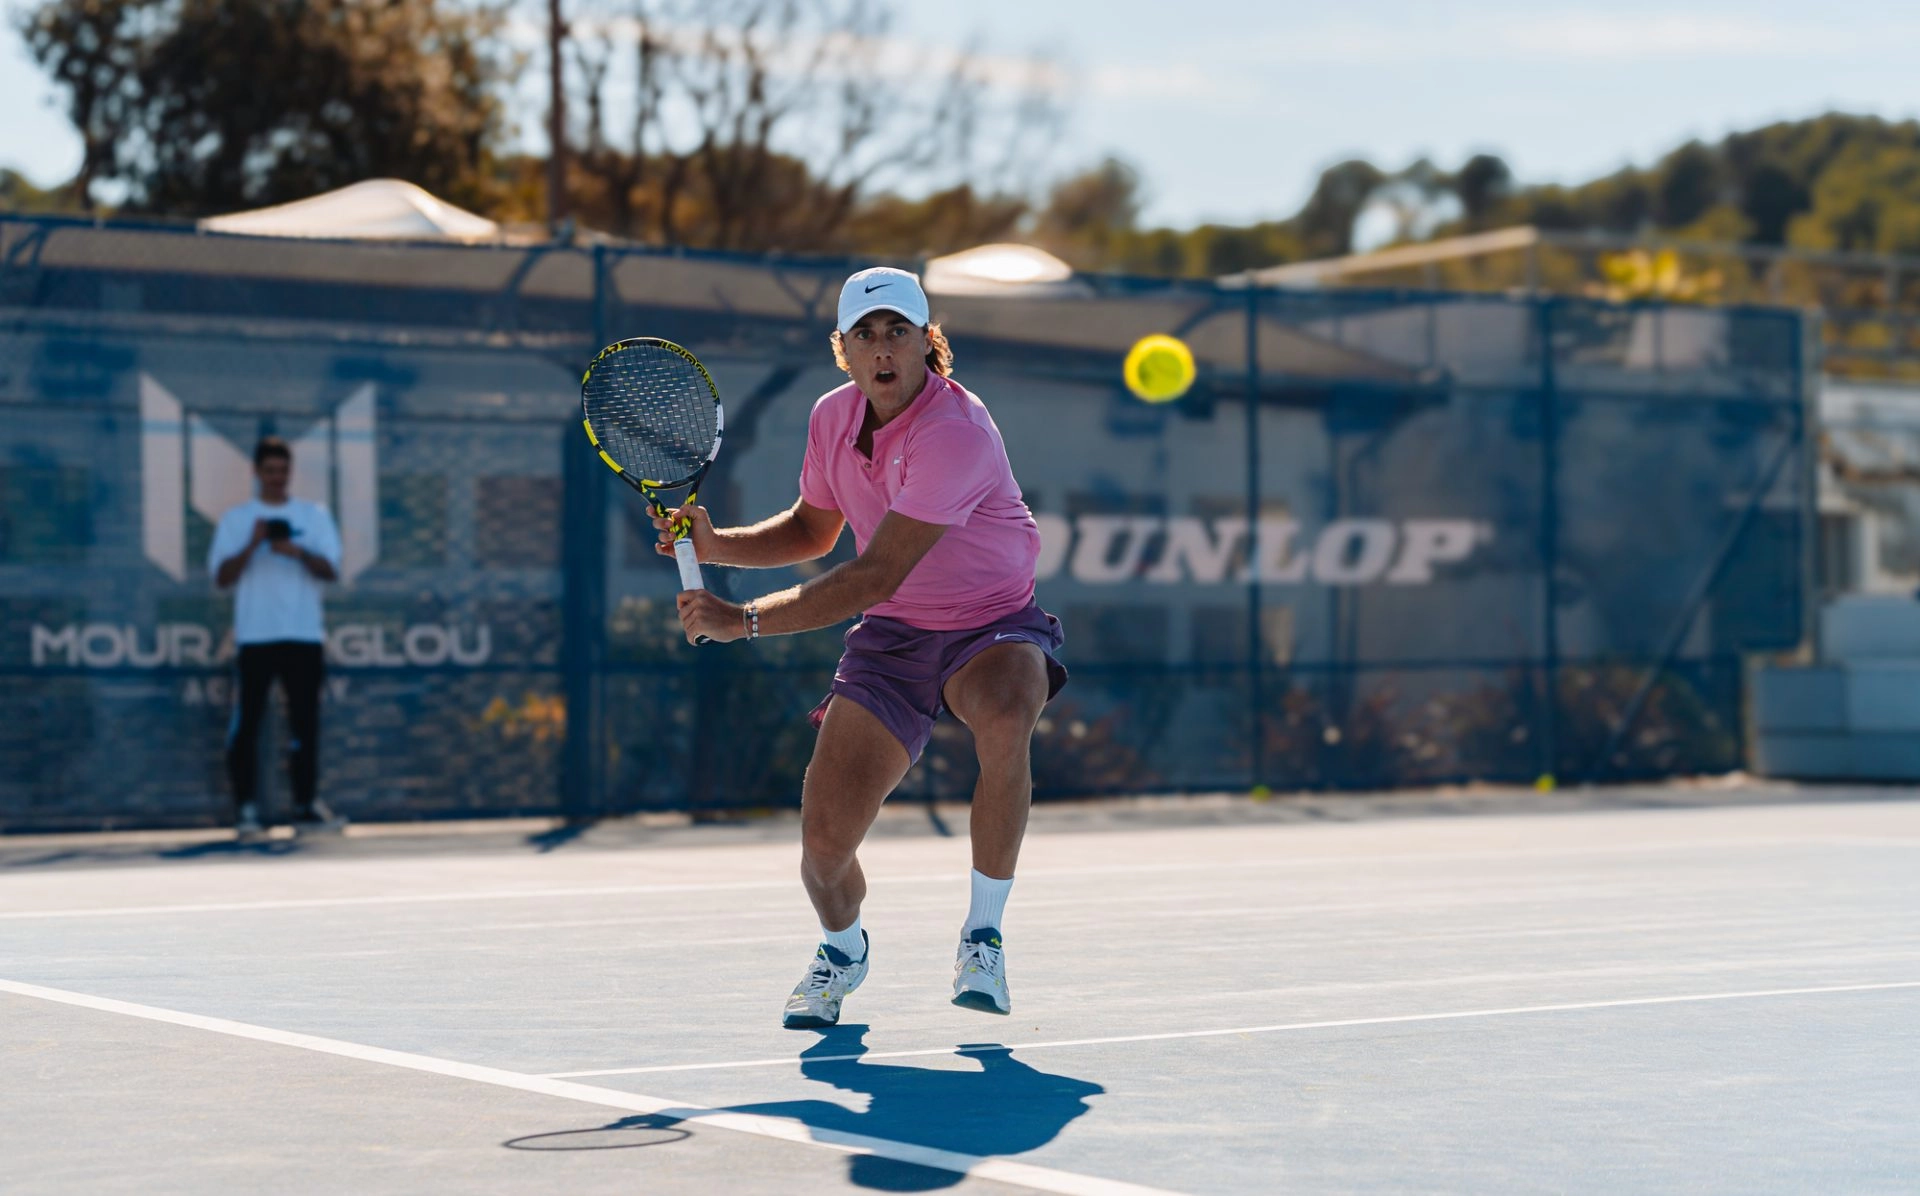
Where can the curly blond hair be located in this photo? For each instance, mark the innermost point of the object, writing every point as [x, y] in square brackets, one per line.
[939, 352]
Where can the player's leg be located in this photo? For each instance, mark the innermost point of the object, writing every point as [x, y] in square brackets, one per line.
[998, 695]
[856, 764]
[252, 682]
[303, 671]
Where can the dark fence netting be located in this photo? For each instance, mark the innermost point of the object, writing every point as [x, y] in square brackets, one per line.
[1386, 539]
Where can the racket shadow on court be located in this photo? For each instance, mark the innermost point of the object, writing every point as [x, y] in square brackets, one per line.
[1000, 1108]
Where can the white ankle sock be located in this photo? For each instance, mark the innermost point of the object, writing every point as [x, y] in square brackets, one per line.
[848, 942]
[989, 901]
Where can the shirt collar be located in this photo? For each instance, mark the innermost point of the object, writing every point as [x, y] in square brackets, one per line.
[894, 426]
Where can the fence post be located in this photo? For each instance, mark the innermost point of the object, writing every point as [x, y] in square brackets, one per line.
[583, 580]
[1549, 752]
[1807, 376]
[1255, 654]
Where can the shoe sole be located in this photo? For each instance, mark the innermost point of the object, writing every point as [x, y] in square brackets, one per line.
[807, 1021]
[980, 1001]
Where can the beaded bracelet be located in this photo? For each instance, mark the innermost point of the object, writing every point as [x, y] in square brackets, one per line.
[750, 614]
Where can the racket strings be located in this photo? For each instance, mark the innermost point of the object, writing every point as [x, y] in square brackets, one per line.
[654, 412]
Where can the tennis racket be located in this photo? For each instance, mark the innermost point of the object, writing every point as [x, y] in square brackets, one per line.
[653, 412]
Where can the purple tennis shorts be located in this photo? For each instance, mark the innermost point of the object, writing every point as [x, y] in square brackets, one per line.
[897, 671]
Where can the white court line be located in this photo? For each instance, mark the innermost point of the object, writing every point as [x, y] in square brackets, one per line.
[1868, 841]
[313, 954]
[790, 1061]
[1027, 1175]
[1039, 874]
[211, 907]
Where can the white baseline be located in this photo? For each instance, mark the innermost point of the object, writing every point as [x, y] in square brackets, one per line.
[1026, 1175]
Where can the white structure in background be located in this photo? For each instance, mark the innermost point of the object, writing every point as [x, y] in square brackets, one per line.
[1869, 488]
[998, 269]
[1334, 271]
[1854, 713]
[378, 209]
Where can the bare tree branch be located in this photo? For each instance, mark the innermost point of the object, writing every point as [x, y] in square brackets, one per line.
[767, 124]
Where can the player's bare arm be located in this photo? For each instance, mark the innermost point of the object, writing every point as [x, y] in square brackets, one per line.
[836, 595]
[231, 568]
[803, 532]
[318, 566]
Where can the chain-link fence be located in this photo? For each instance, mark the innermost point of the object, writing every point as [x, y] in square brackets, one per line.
[1386, 539]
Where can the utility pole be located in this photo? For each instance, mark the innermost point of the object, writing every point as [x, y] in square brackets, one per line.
[556, 122]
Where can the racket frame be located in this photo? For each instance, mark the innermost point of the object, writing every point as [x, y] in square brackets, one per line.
[683, 551]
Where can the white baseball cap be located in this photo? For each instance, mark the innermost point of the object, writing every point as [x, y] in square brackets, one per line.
[882, 288]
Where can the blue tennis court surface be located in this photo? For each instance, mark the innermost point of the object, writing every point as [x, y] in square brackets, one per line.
[1718, 999]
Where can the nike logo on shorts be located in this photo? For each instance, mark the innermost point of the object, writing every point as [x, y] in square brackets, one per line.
[1008, 635]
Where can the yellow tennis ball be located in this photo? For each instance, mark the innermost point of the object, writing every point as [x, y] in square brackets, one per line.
[1159, 368]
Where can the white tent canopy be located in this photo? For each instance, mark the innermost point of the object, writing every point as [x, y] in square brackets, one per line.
[995, 270]
[378, 209]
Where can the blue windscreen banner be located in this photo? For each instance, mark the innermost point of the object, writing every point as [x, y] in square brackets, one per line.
[1386, 539]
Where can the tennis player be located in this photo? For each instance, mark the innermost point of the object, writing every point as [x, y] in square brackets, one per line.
[943, 585]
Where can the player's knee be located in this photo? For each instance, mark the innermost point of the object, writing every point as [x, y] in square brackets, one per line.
[826, 849]
[1005, 718]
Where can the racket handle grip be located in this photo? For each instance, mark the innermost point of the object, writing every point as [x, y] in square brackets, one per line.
[683, 555]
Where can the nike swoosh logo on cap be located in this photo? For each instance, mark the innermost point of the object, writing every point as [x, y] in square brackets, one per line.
[876, 286]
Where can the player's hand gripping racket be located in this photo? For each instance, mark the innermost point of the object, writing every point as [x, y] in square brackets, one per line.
[654, 413]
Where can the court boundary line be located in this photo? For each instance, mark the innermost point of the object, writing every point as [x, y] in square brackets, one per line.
[1003, 1170]
[1401, 1019]
[1038, 874]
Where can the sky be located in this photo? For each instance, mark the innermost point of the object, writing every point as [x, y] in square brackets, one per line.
[1229, 109]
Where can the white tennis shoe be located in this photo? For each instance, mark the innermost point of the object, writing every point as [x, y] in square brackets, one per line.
[318, 818]
[816, 1002]
[980, 973]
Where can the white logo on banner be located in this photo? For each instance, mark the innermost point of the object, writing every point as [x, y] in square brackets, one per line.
[1111, 549]
[185, 464]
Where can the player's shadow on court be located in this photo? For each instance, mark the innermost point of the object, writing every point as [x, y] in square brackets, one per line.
[1001, 1107]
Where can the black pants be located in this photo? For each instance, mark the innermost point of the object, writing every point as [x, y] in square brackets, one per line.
[300, 668]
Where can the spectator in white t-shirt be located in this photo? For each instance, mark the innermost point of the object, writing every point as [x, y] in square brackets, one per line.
[275, 553]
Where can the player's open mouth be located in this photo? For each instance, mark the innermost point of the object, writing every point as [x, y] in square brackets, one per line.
[884, 375]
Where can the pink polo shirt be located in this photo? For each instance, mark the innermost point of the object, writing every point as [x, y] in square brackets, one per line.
[940, 461]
